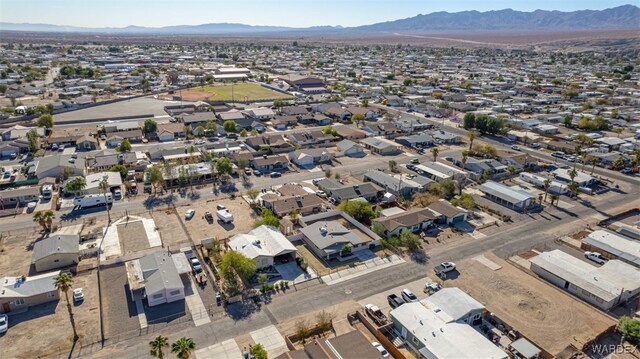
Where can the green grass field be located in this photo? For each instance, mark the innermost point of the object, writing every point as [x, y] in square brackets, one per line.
[241, 92]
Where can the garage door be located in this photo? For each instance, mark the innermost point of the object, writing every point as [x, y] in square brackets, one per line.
[457, 219]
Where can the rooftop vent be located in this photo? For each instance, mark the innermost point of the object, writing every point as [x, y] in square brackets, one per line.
[323, 230]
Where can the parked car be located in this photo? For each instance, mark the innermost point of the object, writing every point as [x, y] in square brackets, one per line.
[415, 161]
[394, 300]
[54, 147]
[195, 264]
[256, 173]
[4, 323]
[444, 268]
[321, 194]
[220, 207]
[78, 295]
[432, 287]
[208, 216]
[626, 171]
[558, 154]
[189, 214]
[515, 147]
[596, 257]
[376, 314]
[408, 296]
[275, 174]
[571, 158]
[381, 349]
[535, 145]
[117, 193]
[247, 171]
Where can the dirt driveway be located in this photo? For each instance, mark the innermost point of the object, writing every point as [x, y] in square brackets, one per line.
[542, 313]
[198, 227]
[45, 331]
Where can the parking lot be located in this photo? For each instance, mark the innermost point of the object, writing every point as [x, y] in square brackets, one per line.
[199, 228]
[46, 328]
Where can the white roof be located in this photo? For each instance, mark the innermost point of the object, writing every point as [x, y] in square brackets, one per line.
[94, 179]
[616, 244]
[453, 301]
[606, 282]
[264, 241]
[444, 339]
[439, 170]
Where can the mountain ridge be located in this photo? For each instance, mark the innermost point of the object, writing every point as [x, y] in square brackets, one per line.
[621, 17]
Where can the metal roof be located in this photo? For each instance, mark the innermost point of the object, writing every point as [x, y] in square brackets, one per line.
[506, 193]
[61, 243]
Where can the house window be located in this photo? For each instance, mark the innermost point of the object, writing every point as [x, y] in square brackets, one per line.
[415, 340]
[51, 294]
[175, 292]
[20, 301]
[157, 296]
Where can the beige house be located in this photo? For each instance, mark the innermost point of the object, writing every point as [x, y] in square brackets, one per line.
[56, 251]
[21, 293]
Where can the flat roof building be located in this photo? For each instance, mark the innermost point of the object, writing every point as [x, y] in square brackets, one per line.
[604, 287]
[613, 245]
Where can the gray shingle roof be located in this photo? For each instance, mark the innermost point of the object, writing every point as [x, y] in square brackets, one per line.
[61, 243]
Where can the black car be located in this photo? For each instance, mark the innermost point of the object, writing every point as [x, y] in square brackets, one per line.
[394, 300]
[275, 174]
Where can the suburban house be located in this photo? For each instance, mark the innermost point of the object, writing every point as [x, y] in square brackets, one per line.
[275, 143]
[196, 119]
[268, 164]
[283, 205]
[114, 181]
[337, 113]
[350, 345]
[344, 192]
[582, 179]
[416, 141]
[381, 146]
[87, 143]
[613, 246]
[310, 157]
[20, 196]
[157, 277]
[327, 237]
[104, 160]
[438, 171]
[265, 245]
[121, 126]
[448, 213]
[555, 187]
[56, 251]
[261, 114]
[281, 123]
[414, 220]
[516, 199]
[115, 138]
[21, 293]
[397, 185]
[55, 166]
[169, 131]
[604, 287]
[349, 148]
[442, 333]
[350, 133]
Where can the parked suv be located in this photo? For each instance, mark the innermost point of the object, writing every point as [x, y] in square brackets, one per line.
[408, 296]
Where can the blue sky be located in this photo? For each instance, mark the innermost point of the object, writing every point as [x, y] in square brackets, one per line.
[296, 13]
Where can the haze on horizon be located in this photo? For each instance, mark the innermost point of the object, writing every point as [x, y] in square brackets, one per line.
[290, 13]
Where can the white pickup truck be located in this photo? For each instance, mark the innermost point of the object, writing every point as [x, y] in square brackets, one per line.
[444, 268]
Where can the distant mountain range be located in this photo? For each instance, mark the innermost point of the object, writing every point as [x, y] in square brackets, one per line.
[621, 17]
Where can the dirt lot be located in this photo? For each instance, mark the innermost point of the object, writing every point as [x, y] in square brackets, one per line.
[199, 228]
[170, 228]
[542, 313]
[120, 315]
[133, 237]
[15, 253]
[46, 328]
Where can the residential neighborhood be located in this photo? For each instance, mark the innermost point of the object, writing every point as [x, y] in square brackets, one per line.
[309, 197]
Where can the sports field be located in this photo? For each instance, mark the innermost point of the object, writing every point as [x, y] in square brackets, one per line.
[228, 92]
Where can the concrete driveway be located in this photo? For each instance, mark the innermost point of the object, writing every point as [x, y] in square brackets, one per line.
[227, 349]
[292, 273]
[271, 339]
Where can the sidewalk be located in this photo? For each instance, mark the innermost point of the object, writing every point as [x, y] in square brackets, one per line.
[366, 267]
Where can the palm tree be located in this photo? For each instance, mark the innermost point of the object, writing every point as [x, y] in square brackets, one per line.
[546, 184]
[573, 173]
[63, 283]
[156, 346]
[472, 136]
[435, 152]
[594, 162]
[104, 186]
[183, 348]
[556, 198]
[574, 187]
[44, 218]
[512, 170]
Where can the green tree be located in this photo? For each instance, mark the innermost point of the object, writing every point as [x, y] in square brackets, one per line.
[150, 126]
[512, 170]
[224, 166]
[76, 185]
[230, 126]
[124, 146]
[268, 219]
[393, 166]
[211, 127]
[156, 346]
[259, 352]
[243, 163]
[121, 169]
[154, 176]
[329, 130]
[445, 188]
[199, 131]
[253, 194]
[546, 184]
[359, 210]
[243, 133]
[465, 201]
[472, 136]
[469, 121]
[45, 120]
[630, 328]
[358, 119]
[183, 348]
[63, 282]
[45, 219]
[32, 138]
[236, 261]
[410, 241]
[324, 321]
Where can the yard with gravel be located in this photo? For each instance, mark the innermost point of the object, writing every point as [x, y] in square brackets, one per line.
[544, 314]
[199, 228]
